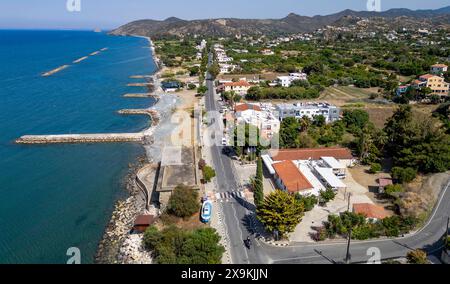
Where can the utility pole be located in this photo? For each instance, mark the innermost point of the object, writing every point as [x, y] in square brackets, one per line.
[348, 206]
[348, 255]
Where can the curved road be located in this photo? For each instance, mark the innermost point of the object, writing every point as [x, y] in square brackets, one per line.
[239, 222]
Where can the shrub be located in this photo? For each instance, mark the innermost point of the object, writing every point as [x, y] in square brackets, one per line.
[417, 257]
[403, 175]
[208, 174]
[184, 202]
[363, 232]
[151, 237]
[191, 86]
[327, 195]
[308, 201]
[393, 190]
[178, 246]
[375, 168]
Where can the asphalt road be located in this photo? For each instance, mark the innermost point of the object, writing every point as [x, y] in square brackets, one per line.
[239, 221]
[237, 213]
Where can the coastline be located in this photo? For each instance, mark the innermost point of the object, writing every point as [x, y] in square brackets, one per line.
[116, 244]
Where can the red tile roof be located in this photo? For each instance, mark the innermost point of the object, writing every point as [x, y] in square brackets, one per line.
[244, 107]
[238, 84]
[292, 178]
[313, 153]
[427, 76]
[370, 210]
[383, 182]
[143, 220]
[439, 65]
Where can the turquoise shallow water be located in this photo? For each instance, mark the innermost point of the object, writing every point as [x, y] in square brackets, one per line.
[60, 196]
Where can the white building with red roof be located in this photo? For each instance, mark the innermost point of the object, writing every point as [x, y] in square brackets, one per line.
[240, 87]
[438, 68]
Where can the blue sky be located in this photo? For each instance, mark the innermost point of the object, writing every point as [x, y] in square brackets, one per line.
[107, 14]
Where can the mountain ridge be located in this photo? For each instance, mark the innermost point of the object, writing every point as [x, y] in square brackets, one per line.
[292, 23]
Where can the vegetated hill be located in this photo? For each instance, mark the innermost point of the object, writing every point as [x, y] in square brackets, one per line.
[293, 23]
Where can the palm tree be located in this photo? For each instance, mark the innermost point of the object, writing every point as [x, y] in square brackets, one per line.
[305, 123]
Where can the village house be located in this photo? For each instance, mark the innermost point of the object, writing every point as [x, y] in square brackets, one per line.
[289, 178]
[437, 84]
[370, 211]
[267, 52]
[438, 69]
[240, 88]
[286, 81]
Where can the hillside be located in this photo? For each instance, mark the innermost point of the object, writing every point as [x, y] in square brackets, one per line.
[292, 23]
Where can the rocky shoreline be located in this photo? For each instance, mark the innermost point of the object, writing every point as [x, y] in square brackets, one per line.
[118, 246]
[121, 222]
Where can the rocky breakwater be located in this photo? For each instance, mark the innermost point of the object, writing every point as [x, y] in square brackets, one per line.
[114, 247]
[150, 112]
[133, 251]
[80, 138]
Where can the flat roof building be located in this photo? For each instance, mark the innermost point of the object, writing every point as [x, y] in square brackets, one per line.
[310, 110]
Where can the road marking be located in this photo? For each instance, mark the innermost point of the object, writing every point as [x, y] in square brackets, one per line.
[229, 196]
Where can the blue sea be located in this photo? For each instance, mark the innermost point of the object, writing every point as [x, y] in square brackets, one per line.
[55, 197]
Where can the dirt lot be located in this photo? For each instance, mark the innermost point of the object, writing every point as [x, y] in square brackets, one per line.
[187, 224]
[370, 182]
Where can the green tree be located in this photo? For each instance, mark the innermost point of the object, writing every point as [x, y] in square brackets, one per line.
[393, 190]
[289, 132]
[202, 247]
[355, 120]
[258, 185]
[319, 120]
[179, 246]
[202, 89]
[403, 175]
[194, 71]
[151, 237]
[327, 195]
[305, 123]
[184, 201]
[308, 201]
[375, 168]
[214, 70]
[280, 212]
[417, 257]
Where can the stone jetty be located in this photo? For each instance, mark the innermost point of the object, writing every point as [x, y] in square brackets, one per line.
[49, 73]
[140, 95]
[97, 138]
[81, 138]
[150, 112]
[140, 85]
[141, 77]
